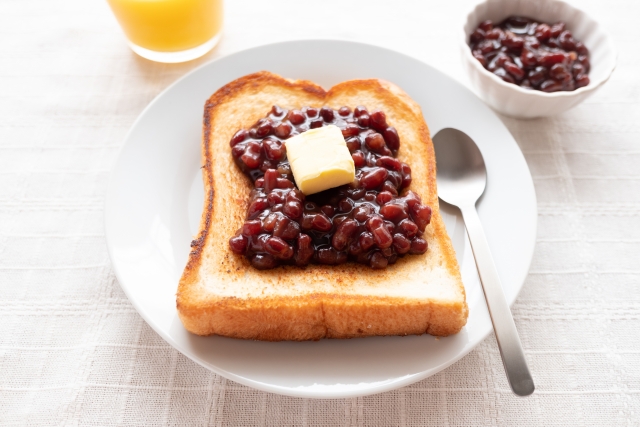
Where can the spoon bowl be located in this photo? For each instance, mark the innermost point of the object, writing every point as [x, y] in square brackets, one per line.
[462, 175]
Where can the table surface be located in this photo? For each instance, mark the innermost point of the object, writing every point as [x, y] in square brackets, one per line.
[73, 351]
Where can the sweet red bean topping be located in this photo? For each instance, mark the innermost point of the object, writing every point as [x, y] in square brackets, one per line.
[366, 221]
[344, 111]
[531, 54]
[401, 243]
[238, 244]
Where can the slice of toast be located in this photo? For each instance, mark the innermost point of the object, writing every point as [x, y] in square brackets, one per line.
[221, 293]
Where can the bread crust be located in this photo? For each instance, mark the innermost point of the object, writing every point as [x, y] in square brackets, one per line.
[333, 305]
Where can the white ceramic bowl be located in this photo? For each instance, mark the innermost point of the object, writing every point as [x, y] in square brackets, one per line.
[510, 99]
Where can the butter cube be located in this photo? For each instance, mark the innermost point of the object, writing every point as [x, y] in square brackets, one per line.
[320, 159]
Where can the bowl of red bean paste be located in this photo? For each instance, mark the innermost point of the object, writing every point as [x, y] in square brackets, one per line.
[530, 59]
[533, 55]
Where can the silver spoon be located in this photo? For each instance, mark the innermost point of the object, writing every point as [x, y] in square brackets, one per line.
[462, 178]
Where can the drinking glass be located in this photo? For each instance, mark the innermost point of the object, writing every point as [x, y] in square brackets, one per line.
[170, 30]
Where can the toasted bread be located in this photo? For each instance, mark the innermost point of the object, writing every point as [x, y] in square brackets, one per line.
[221, 293]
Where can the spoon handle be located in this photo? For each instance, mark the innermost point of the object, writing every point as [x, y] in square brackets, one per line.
[509, 344]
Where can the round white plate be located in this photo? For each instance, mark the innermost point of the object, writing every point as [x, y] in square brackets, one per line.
[155, 198]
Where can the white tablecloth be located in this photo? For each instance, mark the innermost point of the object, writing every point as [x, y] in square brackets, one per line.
[73, 351]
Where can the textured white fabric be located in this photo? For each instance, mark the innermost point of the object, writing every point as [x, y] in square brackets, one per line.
[73, 351]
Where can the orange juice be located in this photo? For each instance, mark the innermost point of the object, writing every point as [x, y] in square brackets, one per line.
[168, 25]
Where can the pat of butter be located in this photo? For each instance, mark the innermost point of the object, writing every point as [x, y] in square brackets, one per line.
[320, 159]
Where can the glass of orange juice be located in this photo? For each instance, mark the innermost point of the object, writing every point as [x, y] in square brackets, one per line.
[170, 30]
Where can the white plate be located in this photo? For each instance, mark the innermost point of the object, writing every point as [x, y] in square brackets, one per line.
[155, 200]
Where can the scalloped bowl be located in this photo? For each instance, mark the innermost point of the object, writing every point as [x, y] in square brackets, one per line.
[512, 100]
